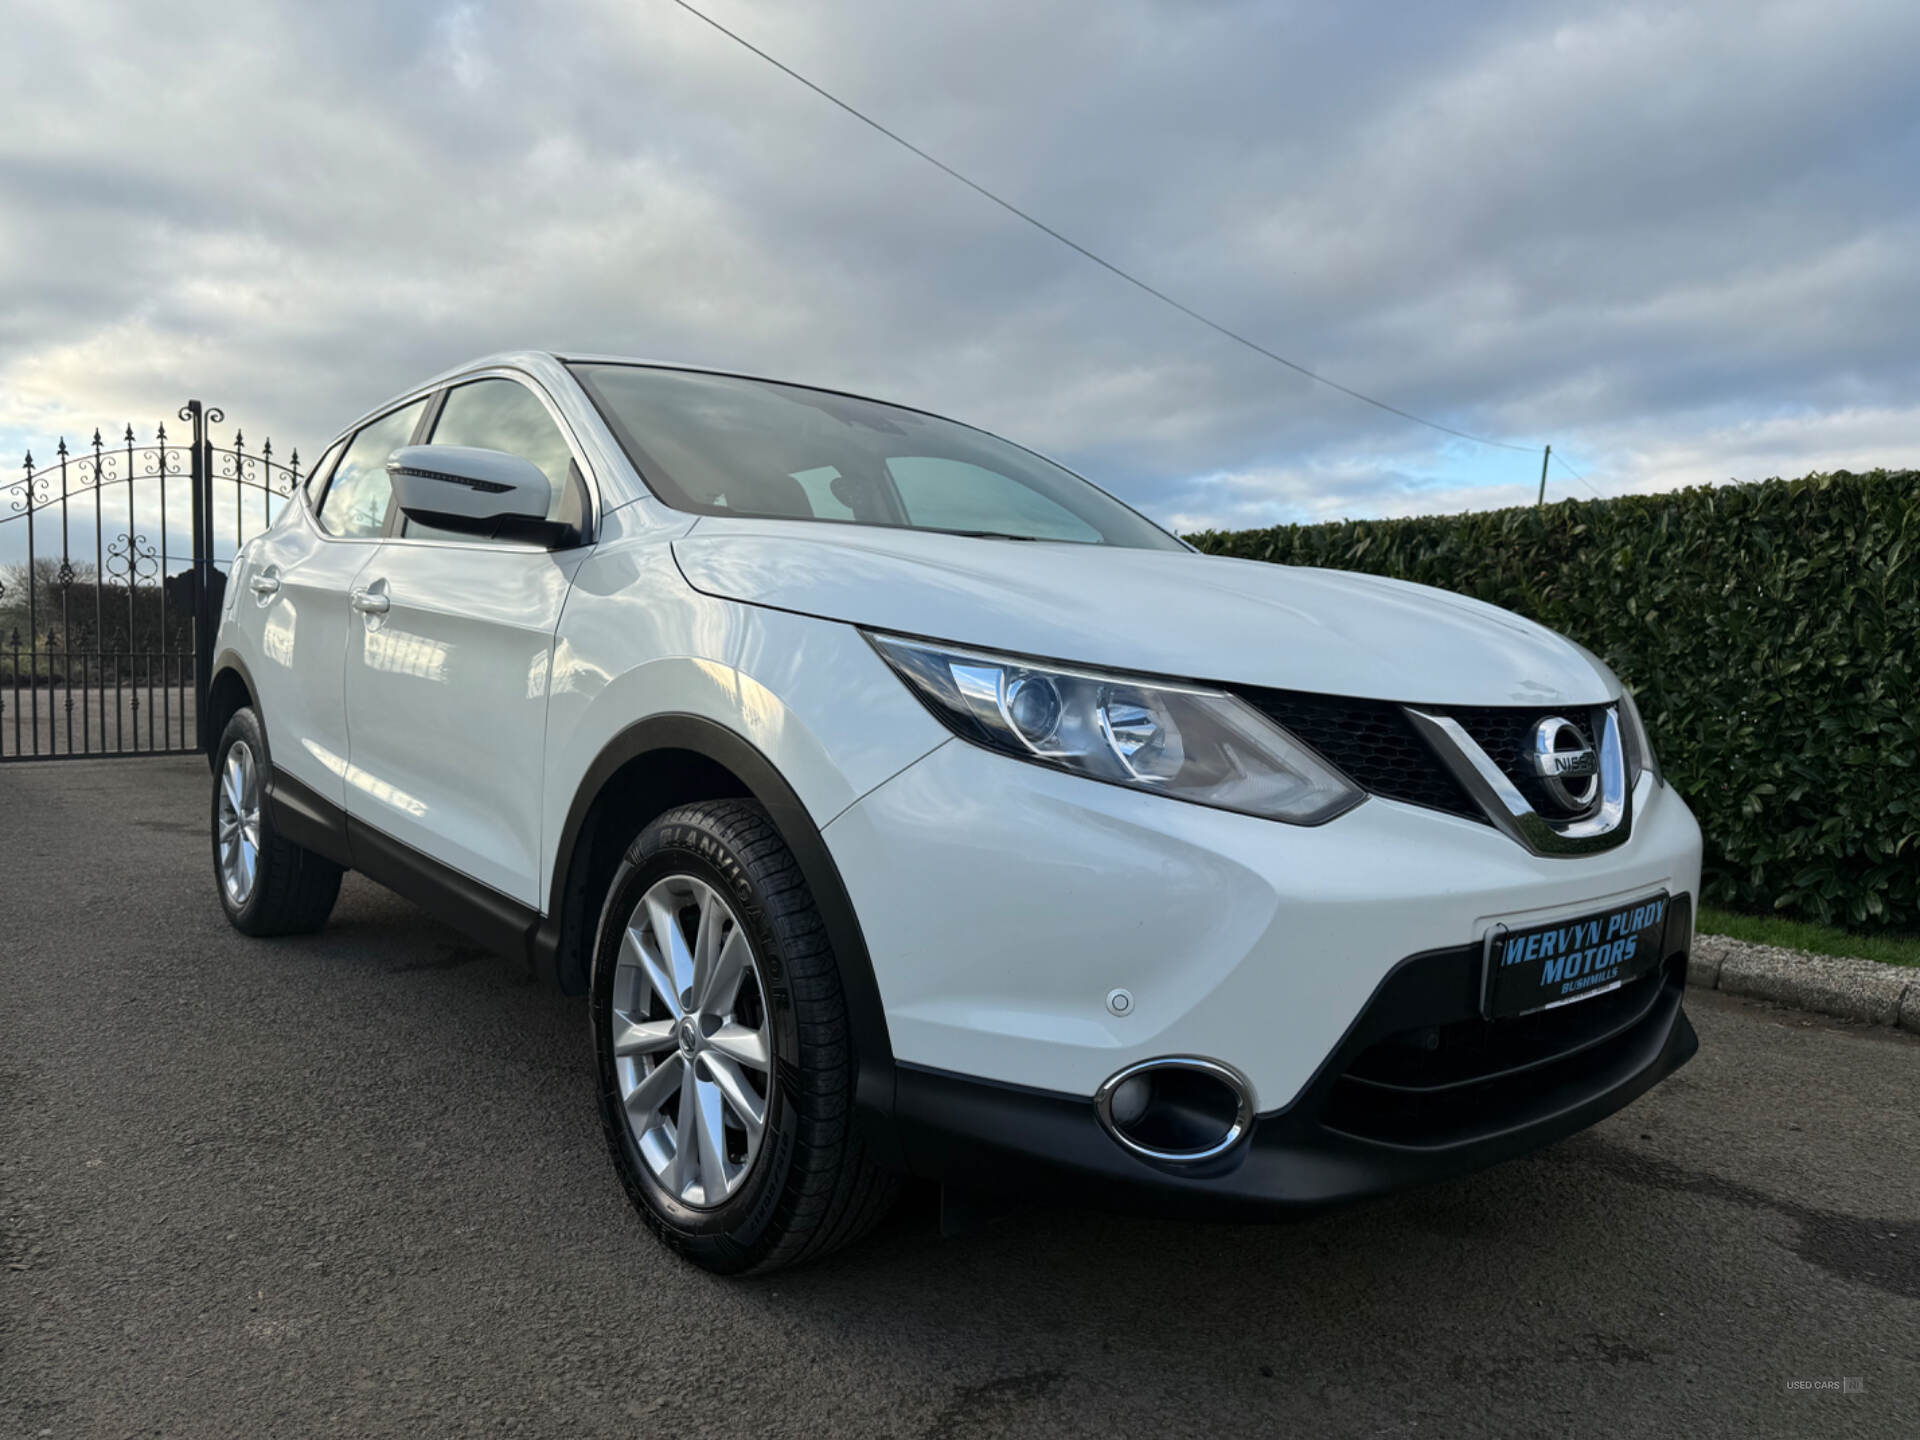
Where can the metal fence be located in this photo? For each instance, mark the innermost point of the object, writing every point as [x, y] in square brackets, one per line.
[113, 561]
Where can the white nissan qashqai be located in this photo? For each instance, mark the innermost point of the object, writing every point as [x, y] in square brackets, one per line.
[907, 805]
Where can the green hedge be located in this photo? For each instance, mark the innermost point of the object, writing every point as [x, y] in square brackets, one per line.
[1769, 632]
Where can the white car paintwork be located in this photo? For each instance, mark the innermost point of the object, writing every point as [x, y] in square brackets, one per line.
[637, 640]
[286, 635]
[446, 696]
[1000, 901]
[1162, 612]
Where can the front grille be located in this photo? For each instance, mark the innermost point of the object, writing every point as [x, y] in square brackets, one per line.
[1450, 1084]
[1374, 745]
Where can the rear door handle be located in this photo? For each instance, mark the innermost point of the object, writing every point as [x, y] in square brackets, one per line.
[370, 602]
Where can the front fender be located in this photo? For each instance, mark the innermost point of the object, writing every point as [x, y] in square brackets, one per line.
[801, 711]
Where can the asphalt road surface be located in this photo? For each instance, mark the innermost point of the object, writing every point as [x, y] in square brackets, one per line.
[354, 1184]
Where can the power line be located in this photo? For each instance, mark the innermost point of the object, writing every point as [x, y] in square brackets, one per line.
[1080, 249]
[1581, 478]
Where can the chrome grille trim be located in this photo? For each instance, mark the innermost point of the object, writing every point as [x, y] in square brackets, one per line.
[1609, 824]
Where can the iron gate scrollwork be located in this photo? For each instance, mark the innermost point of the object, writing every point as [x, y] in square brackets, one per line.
[106, 639]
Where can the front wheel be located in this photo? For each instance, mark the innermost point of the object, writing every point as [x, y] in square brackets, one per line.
[726, 1068]
[268, 885]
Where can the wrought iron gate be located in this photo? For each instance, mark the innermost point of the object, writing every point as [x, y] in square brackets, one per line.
[106, 647]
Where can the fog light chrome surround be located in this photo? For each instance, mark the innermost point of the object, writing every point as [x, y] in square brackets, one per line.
[1129, 1115]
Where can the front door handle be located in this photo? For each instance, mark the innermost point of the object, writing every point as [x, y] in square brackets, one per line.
[264, 584]
[370, 602]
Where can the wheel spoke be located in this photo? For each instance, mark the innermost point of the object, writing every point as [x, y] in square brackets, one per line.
[230, 784]
[722, 979]
[736, 1041]
[641, 1037]
[706, 938]
[711, 1128]
[675, 957]
[643, 1102]
[686, 1149]
[635, 952]
[739, 1095]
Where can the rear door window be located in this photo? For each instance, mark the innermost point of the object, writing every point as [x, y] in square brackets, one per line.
[317, 477]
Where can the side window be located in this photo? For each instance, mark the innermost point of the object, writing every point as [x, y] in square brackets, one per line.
[356, 500]
[954, 495]
[316, 485]
[499, 414]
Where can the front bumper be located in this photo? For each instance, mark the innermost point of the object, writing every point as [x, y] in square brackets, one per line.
[1420, 1088]
[1004, 903]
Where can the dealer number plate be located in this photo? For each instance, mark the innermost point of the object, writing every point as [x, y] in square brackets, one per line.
[1571, 960]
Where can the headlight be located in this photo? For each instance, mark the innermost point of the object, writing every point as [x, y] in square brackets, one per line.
[1177, 740]
[1633, 736]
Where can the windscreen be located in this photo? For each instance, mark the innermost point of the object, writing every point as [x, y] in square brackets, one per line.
[721, 445]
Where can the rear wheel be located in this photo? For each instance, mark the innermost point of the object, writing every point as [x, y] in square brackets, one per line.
[726, 1069]
[268, 885]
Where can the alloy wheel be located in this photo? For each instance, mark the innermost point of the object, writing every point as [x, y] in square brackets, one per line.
[239, 836]
[692, 1043]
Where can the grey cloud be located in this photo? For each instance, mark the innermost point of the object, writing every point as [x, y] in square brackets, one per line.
[1631, 229]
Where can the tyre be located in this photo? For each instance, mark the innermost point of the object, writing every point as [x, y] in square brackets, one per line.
[267, 884]
[725, 1063]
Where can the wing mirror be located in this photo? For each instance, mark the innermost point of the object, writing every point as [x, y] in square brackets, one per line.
[488, 494]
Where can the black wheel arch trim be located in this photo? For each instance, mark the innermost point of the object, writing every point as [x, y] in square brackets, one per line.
[226, 660]
[296, 811]
[873, 1048]
[307, 818]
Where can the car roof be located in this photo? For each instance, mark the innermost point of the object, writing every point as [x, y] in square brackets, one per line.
[534, 359]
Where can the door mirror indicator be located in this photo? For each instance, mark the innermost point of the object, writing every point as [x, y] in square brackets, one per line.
[487, 494]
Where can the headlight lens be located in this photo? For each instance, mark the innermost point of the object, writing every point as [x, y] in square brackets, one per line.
[1178, 740]
[1633, 734]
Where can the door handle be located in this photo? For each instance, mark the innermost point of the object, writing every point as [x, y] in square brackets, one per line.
[370, 602]
[264, 584]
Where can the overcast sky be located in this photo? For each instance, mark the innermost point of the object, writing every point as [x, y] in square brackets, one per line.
[1680, 241]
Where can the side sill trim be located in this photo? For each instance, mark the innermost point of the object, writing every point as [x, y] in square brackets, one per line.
[497, 921]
